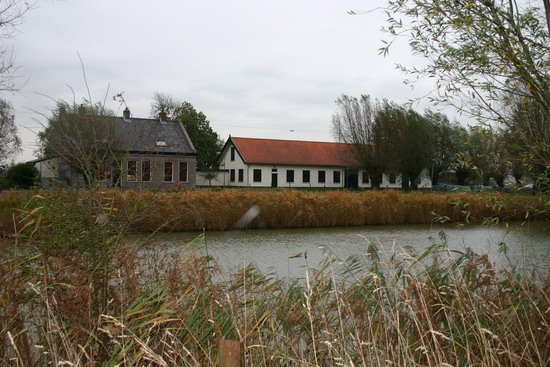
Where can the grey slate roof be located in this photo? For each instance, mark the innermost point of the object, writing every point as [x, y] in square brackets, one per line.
[142, 135]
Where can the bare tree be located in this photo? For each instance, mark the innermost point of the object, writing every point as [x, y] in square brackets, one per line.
[166, 104]
[11, 16]
[10, 144]
[86, 136]
[354, 123]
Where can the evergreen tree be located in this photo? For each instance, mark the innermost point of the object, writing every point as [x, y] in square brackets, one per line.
[206, 141]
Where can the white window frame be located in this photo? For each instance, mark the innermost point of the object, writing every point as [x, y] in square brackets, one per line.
[164, 171]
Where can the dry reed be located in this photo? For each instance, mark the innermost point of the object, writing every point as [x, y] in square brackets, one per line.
[75, 294]
[449, 312]
[200, 209]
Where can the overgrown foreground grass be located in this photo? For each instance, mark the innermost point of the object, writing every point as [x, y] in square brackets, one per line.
[221, 209]
[75, 294]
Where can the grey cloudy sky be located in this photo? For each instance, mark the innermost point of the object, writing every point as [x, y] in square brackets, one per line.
[256, 69]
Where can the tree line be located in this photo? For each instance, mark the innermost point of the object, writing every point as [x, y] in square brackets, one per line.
[387, 137]
[490, 60]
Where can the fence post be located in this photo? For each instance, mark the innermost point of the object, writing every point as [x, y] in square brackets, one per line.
[231, 353]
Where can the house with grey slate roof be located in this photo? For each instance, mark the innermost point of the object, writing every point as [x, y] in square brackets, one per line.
[157, 153]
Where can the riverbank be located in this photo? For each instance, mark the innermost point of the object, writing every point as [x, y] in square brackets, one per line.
[216, 210]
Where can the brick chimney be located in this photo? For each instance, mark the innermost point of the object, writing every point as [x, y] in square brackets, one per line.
[126, 114]
[162, 116]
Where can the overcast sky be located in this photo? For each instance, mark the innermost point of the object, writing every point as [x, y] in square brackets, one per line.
[256, 69]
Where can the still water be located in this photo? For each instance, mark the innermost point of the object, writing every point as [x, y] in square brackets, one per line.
[290, 252]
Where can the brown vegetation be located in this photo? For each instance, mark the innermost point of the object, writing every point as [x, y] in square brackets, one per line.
[75, 293]
[219, 209]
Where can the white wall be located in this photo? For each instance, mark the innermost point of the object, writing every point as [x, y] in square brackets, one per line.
[425, 181]
[385, 184]
[47, 168]
[216, 181]
[227, 165]
[281, 172]
[48, 171]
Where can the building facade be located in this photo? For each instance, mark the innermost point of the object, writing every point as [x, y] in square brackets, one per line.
[249, 162]
[154, 153]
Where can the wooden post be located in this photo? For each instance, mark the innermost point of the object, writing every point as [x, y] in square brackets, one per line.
[231, 353]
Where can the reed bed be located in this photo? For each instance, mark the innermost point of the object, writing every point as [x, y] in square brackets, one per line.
[220, 209]
[74, 293]
[449, 311]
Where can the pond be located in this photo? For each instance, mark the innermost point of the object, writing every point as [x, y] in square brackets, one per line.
[289, 252]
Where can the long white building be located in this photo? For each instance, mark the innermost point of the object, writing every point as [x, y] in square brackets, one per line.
[250, 162]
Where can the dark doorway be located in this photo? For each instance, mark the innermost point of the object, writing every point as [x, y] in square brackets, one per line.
[274, 179]
[352, 179]
[115, 177]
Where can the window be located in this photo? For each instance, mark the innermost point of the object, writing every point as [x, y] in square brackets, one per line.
[145, 171]
[132, 171]
[393, 178]
[232, 175]
[289, 175]
[168, 172]
[232, 154]
[305, 176]
[321, 177]
[183, 172]
[365, 177]
[241, 175]
[257, 175]
[336, 177]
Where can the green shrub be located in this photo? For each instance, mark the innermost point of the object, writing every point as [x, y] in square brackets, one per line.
[21, 176]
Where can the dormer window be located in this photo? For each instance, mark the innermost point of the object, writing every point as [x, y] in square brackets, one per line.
[160, 143]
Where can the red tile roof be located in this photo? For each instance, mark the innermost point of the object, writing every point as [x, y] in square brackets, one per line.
[293, 152]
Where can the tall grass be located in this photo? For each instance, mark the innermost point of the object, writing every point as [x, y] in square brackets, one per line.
[220, 209]
[75, 294]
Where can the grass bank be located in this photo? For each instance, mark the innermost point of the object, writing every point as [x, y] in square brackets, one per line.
[74, 293]
[221, 209]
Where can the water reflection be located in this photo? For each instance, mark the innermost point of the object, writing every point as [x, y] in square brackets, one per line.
[289, 252]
